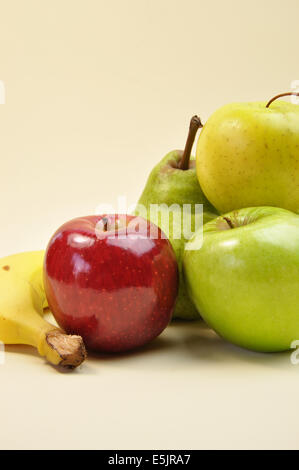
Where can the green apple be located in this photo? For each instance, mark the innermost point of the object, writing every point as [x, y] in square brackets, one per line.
[248, 155]
[244, 279]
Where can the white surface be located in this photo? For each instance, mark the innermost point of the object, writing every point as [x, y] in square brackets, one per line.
[187, 390]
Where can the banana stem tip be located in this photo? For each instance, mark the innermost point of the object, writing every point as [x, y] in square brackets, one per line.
[70, 348]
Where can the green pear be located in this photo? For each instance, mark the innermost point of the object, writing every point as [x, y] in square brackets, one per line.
[243, 276]
[171, 184]
[248, 155]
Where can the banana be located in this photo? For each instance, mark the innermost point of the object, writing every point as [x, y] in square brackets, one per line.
[28, 265]
[22, 302]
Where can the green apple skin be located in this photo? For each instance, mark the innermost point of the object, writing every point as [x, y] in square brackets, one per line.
[245, 280]
[248, 155]
[169, 185]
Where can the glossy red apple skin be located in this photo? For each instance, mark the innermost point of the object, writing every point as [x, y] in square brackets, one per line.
[117, 291]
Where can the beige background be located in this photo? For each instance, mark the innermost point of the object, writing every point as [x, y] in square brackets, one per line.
[96, 93]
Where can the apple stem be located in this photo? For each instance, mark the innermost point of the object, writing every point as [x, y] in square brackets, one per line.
[105, 224]
[229, 222]
[195, 124]
[290, 93]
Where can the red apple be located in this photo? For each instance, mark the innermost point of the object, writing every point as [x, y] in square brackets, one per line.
[111, 279]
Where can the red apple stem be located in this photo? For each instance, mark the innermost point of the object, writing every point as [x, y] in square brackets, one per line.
[195, 124]
[290, 93]
[105, 222]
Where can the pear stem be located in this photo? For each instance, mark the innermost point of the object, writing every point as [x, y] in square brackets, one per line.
[195, 124]
[290, 93]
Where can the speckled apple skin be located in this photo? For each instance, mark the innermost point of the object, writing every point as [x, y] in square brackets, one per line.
[248, 156]
[116, 291]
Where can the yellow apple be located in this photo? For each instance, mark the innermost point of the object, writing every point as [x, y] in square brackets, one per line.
[248, 155]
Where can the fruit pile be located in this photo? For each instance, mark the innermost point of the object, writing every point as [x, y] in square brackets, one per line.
[113, 282]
